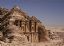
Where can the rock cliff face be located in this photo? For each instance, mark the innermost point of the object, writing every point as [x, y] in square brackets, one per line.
[15, 25]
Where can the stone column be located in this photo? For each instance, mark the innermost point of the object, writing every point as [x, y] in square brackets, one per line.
[27, 26]
[36, 37]
[30, 38]
[36, 33]
[36, 27]
[23, 26]
[32, 26]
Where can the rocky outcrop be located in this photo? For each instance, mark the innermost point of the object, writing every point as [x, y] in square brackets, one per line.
[17, 27]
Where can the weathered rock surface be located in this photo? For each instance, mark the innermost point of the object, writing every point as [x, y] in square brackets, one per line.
[18, 29]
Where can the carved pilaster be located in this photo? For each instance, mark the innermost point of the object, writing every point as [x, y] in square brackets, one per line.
[30, 38]
[27, 26]
[35, 37]
[23, 26]
[37, 27]
[32, 26]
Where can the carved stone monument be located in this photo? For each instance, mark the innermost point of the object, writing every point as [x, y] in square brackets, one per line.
[15, 23]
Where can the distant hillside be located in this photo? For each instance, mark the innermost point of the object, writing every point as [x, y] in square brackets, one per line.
[55, 28]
